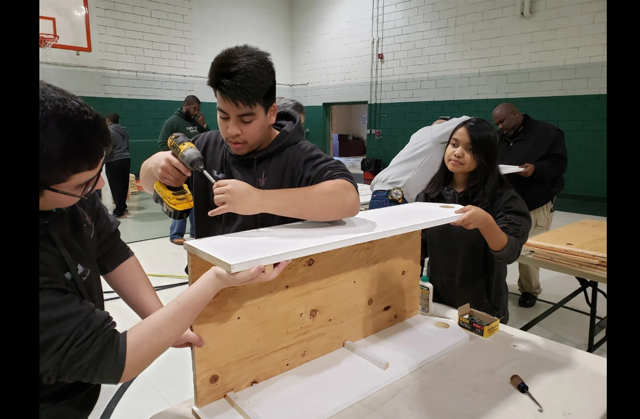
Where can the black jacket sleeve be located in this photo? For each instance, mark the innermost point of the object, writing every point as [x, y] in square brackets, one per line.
[512, 216]
[202, 128]
[554, 162]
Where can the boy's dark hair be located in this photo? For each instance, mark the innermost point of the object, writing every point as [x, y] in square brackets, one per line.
[286, 103]
[73, 136]
[191, 100]
[114, 118]
[244, 75]
[485, 181]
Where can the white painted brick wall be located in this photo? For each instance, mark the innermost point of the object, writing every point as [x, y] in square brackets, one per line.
[136, 41]
[434, 49]
[446, 40]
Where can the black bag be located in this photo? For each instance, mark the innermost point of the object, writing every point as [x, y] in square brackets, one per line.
[374, 166]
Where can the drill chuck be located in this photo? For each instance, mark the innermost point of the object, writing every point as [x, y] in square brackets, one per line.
[199, 166]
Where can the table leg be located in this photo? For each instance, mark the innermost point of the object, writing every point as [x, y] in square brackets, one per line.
[552, 309]
[594, 328]
[592, 316]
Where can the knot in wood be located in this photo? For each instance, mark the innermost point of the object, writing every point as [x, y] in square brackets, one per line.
[313, 313]
[370, 301]
[214, 379]
[310, 262]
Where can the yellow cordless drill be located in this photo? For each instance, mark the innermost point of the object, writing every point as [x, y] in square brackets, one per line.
[177, 202]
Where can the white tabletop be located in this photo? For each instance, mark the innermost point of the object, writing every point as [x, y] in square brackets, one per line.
[472, 381]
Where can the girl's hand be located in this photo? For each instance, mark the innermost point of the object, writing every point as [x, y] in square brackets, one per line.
[473, 217]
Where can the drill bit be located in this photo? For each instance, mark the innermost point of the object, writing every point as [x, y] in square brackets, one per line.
[519, 384]
[209, 177]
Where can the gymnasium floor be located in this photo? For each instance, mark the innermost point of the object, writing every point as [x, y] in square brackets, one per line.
[168, 381]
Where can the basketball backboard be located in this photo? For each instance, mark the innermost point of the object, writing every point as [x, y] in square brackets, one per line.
[69, 19]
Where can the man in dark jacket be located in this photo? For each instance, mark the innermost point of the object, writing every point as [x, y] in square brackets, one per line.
[189, 121]
[539, 149]
[267, 174]
[79, 242]
[117, 165]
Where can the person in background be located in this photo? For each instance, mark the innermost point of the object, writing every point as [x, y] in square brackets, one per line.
[189, 121]
[537, 147]
[291, 104]
[80, 347]
[117, 165]
[467, 259]
[412, 168]
[266, 173]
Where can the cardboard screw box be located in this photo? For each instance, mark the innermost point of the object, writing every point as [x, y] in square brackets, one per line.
[477, 322]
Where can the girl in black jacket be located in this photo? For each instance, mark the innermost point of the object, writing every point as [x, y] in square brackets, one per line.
[468, 259]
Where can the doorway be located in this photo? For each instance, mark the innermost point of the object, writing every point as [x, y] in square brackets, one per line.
[348, 134]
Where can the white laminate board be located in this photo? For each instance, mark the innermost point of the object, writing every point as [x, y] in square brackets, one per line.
[506, 169]
[327, 385]
[365, 193]
[240, 251]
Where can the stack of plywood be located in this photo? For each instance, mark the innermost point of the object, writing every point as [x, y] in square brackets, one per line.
[133, 186]
[581, 245]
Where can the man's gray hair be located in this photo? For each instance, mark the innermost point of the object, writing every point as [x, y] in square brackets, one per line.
[284, 103]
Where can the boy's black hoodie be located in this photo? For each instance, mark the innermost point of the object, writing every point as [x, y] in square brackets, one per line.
[79, 345]
[290, 161]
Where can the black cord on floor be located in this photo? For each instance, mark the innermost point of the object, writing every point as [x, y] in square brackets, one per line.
[111, 406]
[157, 288]
[108, 410]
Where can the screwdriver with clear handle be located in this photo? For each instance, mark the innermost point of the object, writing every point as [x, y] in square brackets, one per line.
[519, 384]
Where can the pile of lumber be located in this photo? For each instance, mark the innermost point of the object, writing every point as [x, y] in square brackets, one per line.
[133, 186]
[581, 245]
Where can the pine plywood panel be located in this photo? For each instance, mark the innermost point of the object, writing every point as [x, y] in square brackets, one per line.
[586, 237]
[256, 332]
[594, 270]
[582, 259]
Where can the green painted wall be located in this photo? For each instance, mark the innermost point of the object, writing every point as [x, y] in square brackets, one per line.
[143, 120]
[582, 118]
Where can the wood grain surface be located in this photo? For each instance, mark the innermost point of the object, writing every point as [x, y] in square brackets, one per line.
[258, 331]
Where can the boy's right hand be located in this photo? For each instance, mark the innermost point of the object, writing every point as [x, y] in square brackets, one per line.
[166, 168]
[250, 276]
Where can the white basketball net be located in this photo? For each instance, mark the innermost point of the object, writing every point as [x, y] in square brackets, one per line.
[46, 42]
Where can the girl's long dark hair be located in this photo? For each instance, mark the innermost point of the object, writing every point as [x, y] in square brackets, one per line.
[485, 181]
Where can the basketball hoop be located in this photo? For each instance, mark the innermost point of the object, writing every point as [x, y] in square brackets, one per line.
[47, 40]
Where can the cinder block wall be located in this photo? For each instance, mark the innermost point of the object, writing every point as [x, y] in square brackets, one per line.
[149, 55]
[444, 57]
[440, 56]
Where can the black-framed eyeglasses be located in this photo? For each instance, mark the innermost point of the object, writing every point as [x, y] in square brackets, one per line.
[86, 191]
